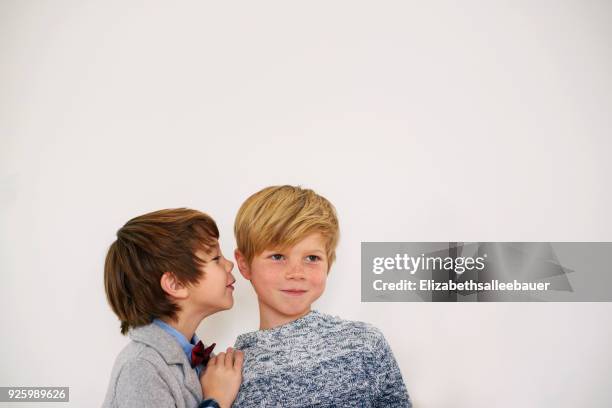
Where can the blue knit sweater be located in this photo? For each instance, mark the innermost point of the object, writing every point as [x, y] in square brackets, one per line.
[319, 360]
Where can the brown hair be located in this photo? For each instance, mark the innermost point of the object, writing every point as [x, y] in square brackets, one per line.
[280, 216]
[146, 247]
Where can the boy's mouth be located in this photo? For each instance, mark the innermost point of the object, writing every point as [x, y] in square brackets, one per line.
[231, 285]
[293, 292]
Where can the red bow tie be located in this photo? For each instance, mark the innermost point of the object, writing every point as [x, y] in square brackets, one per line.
[201, 355]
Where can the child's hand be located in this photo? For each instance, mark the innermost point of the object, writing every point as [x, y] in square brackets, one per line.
[222, 377]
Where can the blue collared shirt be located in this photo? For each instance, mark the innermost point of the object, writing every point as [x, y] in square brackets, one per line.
[187, 346]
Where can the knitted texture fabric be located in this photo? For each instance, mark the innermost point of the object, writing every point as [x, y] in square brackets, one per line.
[319, 360]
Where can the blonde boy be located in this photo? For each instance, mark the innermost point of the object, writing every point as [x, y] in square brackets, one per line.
[286, 241]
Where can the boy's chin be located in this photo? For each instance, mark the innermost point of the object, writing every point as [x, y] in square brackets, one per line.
[229, 305]
[295, 311]
[224, 306]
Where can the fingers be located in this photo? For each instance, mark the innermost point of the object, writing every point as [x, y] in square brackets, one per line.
[238, 359]
[219, 359]
[229, 357]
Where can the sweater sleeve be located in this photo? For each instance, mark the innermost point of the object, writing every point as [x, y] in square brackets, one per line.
[389, 388]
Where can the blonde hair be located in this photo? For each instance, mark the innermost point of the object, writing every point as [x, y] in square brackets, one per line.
[280, 216]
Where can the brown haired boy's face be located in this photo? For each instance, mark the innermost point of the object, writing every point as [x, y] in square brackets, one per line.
[214, 291]
[288, 281]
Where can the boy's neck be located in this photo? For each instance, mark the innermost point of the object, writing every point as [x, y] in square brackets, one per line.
[269, 319]
[185, 325]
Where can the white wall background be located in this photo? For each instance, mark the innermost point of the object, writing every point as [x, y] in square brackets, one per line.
[443, 120]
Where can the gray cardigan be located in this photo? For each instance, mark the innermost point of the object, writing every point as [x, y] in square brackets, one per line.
[152, 371]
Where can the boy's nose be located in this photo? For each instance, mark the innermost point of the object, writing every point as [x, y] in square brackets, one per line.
[295, 272]
[230, 266]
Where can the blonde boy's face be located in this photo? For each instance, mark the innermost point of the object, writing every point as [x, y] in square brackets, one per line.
[288, 281]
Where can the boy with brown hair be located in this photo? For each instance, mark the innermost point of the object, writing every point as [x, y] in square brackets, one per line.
[286, 238]
[163, 275]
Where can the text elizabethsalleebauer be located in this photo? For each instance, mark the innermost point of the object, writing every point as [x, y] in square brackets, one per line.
[470, 285]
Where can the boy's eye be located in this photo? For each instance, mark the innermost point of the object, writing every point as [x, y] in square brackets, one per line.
[276, 257]
[216, 258]
[313, 258]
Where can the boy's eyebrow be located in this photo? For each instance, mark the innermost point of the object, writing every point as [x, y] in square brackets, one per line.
[276, 250]
[214, 252]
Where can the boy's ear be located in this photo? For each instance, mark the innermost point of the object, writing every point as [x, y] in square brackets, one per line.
[172, 286]
[243, 265]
